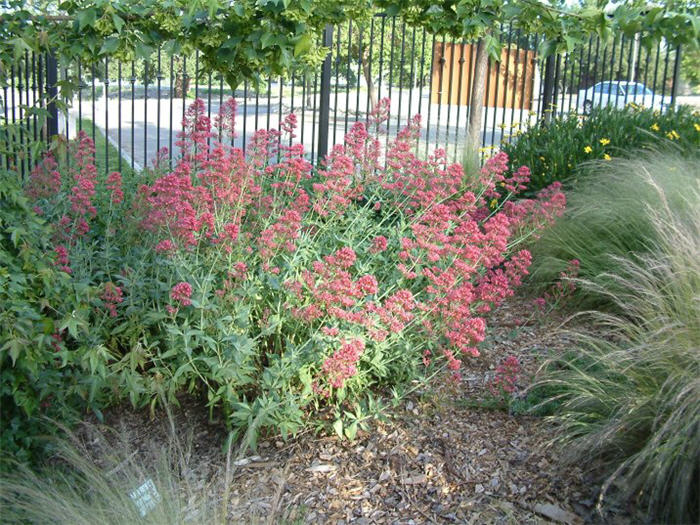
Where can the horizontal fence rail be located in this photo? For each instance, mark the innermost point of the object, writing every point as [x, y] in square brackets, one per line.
[135, 109]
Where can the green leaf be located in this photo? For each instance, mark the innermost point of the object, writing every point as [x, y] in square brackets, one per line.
[86, 18]
[351, 431]
[143, 51]
[338, 427]
[118, 22]
[303, 45]
[109, 46]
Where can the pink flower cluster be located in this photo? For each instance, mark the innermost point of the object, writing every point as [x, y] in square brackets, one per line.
[506, 377]
[45, 179]
[111, 296]
[182, 293]
[564, 287]
[62, 260]
[342, 364]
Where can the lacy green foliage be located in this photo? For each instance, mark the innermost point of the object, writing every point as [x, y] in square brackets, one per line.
[41, 373]
[629, 395]
[607, 218]
[557, 150]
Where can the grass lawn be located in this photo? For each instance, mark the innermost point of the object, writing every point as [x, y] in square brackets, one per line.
[106, 155]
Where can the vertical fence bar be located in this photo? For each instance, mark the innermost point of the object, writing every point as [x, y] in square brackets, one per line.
[676, 76]
[133, 113]
[656, 73]
[20, 88]
[663, 82]
[337, 81]
[159, 80]
[595, 68]
[105, 96]
[34, 92]
[515, 82]
[245, 116]
[548, 89]
[370, 84]
[485, 109]
[442, 61]
[526, 66]
[14, 117]
[94, 96]
[347, 78]
[495, 99]
[52, 93]
[325, 102]
[313, 120]
[505, 82]
[146, 65]
[412, 74]
[172, 96]
[269, 100]
[459, 94]
[119, 113]
[359, 71]
[449, 95]
[402, 61]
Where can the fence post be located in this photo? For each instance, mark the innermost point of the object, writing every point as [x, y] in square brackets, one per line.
[325, 102]
[676, 76]
[51, 93]
[548, 88]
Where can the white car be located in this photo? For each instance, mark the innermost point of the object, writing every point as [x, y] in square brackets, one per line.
[618, 94]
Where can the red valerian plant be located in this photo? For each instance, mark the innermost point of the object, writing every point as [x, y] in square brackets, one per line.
[312, 285]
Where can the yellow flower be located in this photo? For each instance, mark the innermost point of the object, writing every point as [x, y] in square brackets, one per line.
[655, 127]
[587, 149]
[604, 141]
[672, 135]
[541, 157]
[697, 126]
[493, 203]
[606, 157]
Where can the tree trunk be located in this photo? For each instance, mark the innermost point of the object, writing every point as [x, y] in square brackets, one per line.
[309, 86]
[477, 95]
[368, 79]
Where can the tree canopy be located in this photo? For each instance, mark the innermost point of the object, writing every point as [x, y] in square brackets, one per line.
[564, 26]
[242, 39]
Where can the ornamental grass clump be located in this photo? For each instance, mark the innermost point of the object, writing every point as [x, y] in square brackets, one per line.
[607, 220]
[276, 290]
[627, 397]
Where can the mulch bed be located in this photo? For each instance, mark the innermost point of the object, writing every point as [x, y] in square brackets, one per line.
[436, 459]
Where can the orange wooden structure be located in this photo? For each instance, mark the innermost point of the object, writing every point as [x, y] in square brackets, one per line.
[509, 82]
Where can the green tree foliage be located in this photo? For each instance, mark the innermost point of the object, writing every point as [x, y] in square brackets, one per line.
[242, 40]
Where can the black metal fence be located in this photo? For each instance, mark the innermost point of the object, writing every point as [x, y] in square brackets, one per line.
[138, 106]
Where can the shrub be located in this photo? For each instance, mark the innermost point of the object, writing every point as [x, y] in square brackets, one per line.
[608, 218]
[279, 292]
[629, 396]
[555, 151]
[40, 308]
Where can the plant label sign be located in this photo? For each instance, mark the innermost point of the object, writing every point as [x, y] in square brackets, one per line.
[145, 497]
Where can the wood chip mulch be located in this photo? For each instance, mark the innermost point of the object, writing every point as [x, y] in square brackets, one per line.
[436, 459]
